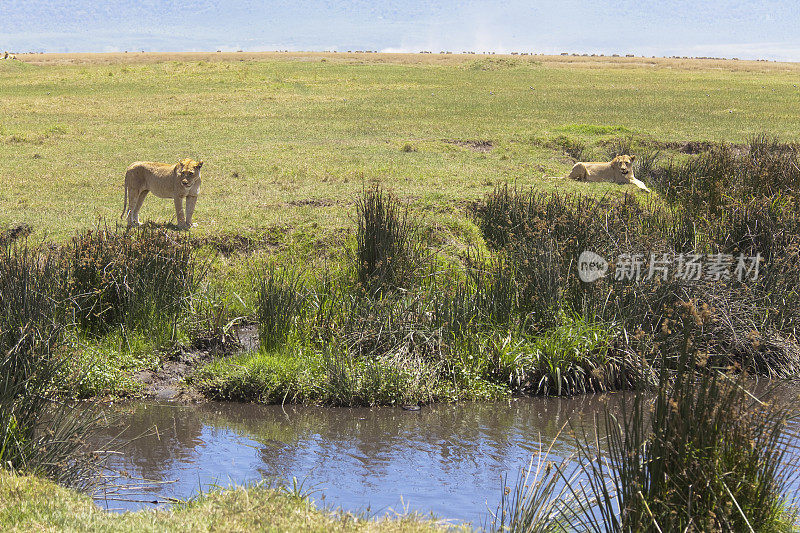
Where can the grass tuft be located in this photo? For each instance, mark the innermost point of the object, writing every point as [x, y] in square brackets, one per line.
[40, 433]
[387, 248]
[281, 299]
[708, 456]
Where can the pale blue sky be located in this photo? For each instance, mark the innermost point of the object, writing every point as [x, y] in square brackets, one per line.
[768, 29]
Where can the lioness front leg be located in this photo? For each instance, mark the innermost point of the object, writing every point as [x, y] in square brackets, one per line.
[190, 203]
[179, 211]
[640, 184]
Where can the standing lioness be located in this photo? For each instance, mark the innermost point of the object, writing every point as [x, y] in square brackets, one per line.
[178, 181]
[618, 170]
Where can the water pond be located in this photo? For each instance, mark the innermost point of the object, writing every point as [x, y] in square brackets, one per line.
[443, 459]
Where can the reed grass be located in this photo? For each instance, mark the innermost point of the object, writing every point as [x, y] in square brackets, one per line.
[40, 433]
[139, 280]
[281, 300]
[756, 319]
[387, 244]
[707, 455]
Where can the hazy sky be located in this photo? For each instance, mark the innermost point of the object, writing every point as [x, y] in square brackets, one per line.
[768, 29]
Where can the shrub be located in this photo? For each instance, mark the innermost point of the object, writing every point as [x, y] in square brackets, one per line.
[545, 234]
[713, 456]
[541, 236]
[708, 456]
[140, 280]
[726, 174]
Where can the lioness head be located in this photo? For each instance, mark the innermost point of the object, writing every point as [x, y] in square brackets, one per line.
[623, 163]
[188, 171]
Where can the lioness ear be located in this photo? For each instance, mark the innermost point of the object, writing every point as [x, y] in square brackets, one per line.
[200, 163]
[633, 158]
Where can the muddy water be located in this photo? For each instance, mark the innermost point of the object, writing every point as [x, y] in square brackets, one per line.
[444, 459]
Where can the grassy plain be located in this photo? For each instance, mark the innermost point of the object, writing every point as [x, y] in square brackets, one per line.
[292, 144]
[290, 139]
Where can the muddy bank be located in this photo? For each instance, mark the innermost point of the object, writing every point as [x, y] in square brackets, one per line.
[167, 382]
[474, 145]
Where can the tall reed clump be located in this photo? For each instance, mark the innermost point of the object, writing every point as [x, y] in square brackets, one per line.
[708, 456]
[743, 200]
[281, 298]
[387, 247]
[544, 235]
[726, 175]
[140, 280]
[714, 458]
[39, 433]
[541, 237]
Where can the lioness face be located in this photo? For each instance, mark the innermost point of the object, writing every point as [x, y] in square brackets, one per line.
[624, 163]
[189, 171]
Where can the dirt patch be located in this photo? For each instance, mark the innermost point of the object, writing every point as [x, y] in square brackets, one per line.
[20, 231]
[166, 383]
[689, 147]
[312, 202]
[228, 245]
[475, 146]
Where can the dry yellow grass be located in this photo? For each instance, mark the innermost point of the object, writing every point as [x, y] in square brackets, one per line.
[415, 59]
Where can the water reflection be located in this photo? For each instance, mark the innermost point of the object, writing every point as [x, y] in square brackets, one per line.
[444, 459]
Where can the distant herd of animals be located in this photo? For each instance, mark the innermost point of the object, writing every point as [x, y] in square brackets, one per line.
[181, 181]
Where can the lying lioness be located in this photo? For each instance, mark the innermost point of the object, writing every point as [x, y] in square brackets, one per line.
[618, 170]
[178, 181]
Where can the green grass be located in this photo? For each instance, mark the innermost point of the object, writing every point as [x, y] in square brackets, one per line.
[106, 366]
[292, 141]
[34, 504]
[380, 331]
[303, 374]
[278, 131]
[291, 375]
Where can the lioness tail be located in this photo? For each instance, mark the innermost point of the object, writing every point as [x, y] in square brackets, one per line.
[125, 201]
